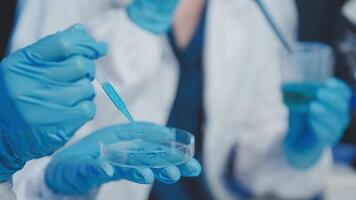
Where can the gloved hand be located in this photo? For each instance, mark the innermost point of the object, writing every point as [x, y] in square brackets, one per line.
[321, 126]
[153, 15]
[45, 96]
[79, 168]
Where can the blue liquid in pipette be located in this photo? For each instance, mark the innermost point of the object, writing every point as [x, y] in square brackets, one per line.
[117, 101]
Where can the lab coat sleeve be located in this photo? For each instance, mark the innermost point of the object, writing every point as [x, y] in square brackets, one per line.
[349, 11]
[260, 164]
[6, 192]
[29, 184]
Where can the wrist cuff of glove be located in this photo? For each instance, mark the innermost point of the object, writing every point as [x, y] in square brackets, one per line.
[9, 163]
[65, 185]
[302, 156]
[149, 21]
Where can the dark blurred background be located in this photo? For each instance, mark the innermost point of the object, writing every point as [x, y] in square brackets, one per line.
[7, 18]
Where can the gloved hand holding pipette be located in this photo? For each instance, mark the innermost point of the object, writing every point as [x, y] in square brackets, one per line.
[35, 119]
[79, 168]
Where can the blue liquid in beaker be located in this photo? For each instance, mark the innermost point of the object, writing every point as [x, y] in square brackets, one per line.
[298, 96]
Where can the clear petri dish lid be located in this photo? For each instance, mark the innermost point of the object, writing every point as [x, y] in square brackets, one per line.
[144, 144]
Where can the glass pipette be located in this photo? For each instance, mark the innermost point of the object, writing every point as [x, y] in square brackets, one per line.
[113, 94]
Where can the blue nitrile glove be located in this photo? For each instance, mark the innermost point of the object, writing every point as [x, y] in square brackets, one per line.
[79, 168]
[321, 126]
[153, 15]
[45, 96]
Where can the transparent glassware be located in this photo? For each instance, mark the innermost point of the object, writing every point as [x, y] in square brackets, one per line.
[303, 72]
[147, 145]
[308, 62]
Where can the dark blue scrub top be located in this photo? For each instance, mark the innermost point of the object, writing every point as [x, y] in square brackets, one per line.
[187, 113]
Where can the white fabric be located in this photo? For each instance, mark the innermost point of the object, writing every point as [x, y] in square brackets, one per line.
[243, 103]
[6, 192]
[349, 11]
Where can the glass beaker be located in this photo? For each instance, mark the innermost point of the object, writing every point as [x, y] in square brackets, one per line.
[303, 72]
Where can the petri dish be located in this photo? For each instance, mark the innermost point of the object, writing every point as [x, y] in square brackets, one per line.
[144, 144]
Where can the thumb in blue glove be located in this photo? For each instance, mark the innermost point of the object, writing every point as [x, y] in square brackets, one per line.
[45, 96]
[79, 168]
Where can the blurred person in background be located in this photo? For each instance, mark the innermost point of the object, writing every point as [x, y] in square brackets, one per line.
[216, 74]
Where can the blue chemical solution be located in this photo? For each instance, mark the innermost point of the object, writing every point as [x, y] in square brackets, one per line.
[117, 101]
[297, 97]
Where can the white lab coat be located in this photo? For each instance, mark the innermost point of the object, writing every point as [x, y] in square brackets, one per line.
[242, 99]
[6, 192]
[349, 11]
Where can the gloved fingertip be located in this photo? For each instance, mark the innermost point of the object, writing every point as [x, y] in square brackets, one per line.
[337, 84]
[88, 108]
[77, 27]
[91, 98]
[102, 48]
[168, 175]
[332, 82]
[191, 168]
[143, 176]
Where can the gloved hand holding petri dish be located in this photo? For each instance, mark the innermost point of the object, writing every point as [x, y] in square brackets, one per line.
[147, 145]
[140, 152]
